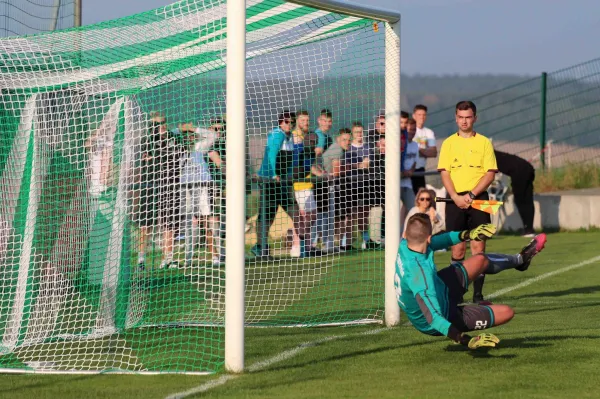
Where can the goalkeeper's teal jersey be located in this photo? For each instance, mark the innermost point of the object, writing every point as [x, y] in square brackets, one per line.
[421, 294]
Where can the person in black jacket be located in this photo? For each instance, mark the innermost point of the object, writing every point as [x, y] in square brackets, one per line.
[522, 175]
[160, 197]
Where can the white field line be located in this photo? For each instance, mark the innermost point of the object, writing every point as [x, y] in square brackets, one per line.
[293, 352]
[543, 276]
[267, 363]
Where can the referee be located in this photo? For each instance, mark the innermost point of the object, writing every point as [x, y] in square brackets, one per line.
[467, 165]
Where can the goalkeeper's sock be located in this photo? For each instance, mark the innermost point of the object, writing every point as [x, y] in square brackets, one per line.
[501, 262]
[478, 288]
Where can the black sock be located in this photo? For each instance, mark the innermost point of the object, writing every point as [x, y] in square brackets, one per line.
[501, 262]
[478, 287]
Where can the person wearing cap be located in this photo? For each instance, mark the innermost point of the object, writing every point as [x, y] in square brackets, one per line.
[275, 172]
[161, 171]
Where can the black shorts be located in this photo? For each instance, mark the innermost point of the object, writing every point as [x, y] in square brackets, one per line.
[276, 194]
[464, 317]
[466, 219]
[321, 193]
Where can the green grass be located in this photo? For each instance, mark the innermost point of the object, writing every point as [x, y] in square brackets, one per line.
[569, 177]
[551, 349]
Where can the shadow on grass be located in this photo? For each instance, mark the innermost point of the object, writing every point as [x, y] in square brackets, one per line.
[517, 343]
[348, 355]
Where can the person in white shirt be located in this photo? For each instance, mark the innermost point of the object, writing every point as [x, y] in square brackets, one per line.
[425, 138]
[411, 158]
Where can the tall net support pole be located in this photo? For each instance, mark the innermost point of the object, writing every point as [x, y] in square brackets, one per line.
[392, 167]
[235, 185]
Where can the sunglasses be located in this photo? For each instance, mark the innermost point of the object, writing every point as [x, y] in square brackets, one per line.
[425, 199]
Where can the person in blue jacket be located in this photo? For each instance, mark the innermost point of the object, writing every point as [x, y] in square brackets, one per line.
[276, 172]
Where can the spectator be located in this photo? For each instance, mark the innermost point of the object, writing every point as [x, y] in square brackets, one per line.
[522, 175]
[161, 168]
[425, 203]
[303, 191]
[202, 197]
[403, 120]
[425, 138]
[333, 163]
[276, 169]
[307, 168]
[320, 189]
[377, 187]
[403, 136]
[377, 130]
[216, 162]
[356, 167]
[409, 162]
[100, 147]
[325, 122]
[468, 165]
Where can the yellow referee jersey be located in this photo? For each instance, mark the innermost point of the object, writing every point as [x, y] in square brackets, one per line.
[467, 159]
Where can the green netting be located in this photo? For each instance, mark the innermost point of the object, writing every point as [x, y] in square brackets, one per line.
[512, 117]
[112, 218]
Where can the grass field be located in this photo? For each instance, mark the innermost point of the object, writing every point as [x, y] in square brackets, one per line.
[551, 349]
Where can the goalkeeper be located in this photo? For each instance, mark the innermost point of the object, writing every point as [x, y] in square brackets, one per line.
[431, 299]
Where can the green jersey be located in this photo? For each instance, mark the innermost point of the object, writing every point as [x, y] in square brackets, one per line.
[421, 294]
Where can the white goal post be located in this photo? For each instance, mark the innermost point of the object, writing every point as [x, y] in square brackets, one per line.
[236, 149]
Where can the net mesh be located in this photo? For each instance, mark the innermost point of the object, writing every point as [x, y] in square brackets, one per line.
[25, 17]
[112, 173]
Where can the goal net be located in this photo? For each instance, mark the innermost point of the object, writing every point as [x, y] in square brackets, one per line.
[112, 178]
[26, 17]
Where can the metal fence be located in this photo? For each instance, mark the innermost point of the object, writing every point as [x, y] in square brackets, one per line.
[550, 120]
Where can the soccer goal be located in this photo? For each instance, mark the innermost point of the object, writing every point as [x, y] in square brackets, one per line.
[171, 178]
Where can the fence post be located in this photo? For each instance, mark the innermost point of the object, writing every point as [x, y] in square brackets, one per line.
[543, 121]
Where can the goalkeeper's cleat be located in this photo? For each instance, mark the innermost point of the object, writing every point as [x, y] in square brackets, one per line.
[484, 340]
[534, 247]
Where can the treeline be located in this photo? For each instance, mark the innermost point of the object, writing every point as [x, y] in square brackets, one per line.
[509, 106]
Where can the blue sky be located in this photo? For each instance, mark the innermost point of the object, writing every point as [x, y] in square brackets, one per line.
[464, 36]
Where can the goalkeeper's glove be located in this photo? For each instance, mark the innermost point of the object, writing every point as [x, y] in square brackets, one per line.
[480, 233]
[483, 339]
